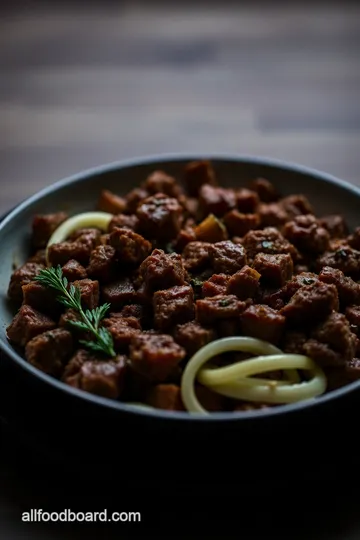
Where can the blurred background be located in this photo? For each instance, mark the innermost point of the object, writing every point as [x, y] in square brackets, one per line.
[84, 83]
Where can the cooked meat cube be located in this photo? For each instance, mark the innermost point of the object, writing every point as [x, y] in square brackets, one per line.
[70, 316]
[354, 239]
[79, 247]
[293, 342]
[262, 322]
[247, 201]
[160, 182]
[216, 200]
[227, 257]
[352, 369]
[265, 189]
[166, 397]
[173, 306]
[90, 234]
[134, 198]
[97, 376]
[28, 323]
[239, 224]
[332, 343]
[123, 221]
[196, 256]
[212, 309]
[135, 310]
[272, 215]
[42, 299]
[298, 281]
[301, 268]
[89, 291]
[345, 259]
[210, 230]
[22, 276]
[348, 289]
[155, 355]
[50, 351]
[130, 247]
[39, 257]
[102, 263]
[161, 270]
[43, 226]
[306, 234]
[244, 284]
[119, 293]
[295, 205]
[215, 285]
[192, 336]
[184, 238]
[122, 330]
[311, 303]
[275, 270]
[268, 240]
[111, 203]
[352, 314]
[160, 217]
[335, 225]
[273, 298]
[198, 173]
[73, 270]
[191, 206]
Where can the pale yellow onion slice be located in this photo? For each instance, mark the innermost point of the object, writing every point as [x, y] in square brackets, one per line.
[98, 220]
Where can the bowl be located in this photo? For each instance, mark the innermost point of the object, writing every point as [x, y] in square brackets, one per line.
[49, 414]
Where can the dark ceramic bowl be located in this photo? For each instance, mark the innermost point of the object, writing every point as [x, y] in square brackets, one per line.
[74, 423]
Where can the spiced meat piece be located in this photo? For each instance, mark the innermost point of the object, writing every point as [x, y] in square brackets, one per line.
[196, 174]
[196, 256]
[119, 293]
[293, 342]
[28, 323]
[271, 215]
[161, 270]
[70, 316]
[123, 221]
[216, 285]
[79, 247]
[227, 257]
[89, 292]
[311, 303]
[268, 240]
[239, 224]
[211, 230]
[43, 226]
[102, 263]
[39, 257]
[122, 330]
[90, 234]
[297, 282]
[352, 314]
[50, 351]
[306, 234]
[166, 397]
[134, 198]
[247, 201]
[173, 306]
[160, 217]
[73, 270]
[192, 336]
[262, 322]
[97, 376]
[344, 258]
[265, 190]
[244, 283]
[184, 238]
[273, 298]
[155, 355]
[354, 239]
[160, 182]
[296, 205]
[275, 270]
[212, 309]
[216, 200]
[348, 289]
[335, 225]
[130, 247]
[41, 298]
[111, 203]
[22, 276]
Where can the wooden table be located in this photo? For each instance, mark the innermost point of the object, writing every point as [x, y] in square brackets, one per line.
[83, 86]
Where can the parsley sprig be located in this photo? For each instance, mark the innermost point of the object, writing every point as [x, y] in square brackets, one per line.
[70, 297]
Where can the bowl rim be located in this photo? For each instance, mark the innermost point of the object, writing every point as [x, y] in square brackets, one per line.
[159, 414]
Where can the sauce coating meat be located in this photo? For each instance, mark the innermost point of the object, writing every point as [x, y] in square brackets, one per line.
[183, 262]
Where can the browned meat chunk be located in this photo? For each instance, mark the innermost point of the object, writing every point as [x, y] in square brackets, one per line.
[335, 225]
[130, 247]
[166, 397]
[39, 257]
[134, 198]
[155, 355]
[50, 351]
[306, 234]
[227, 257]
[268, 240]
[352, 369]
[184, 238]
[173, 306]
[90, 234]
[97, 376]
[216, 200]
[272, 215]
[198, 173]
[247, 201]
[265, 189]
[275, 270]
[28, 323]
[79, 247]
[196, 256]
[295, 205]
[102, 263]
[215, 285]
[354, 239]
[345, 259]
[160, 217]
[212, 309]
[160, 182]
[89, 291]
[73, 270]
[69, 317]
[22, 276]
[298, 281]
[42, 299]
[123, 221]
[348, 289]
[192, 336]
[244, 284]
[293, 342]
[111, 203]
[352, 314]
[119, 293]
[311, 303]
[122, 330]
[43, 226]
[262, 322]
[161, 270]
[135, 310]
[273, 298]
[210, 230]
[239, 224]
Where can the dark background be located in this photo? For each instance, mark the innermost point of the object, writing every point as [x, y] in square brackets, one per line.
[84, 83]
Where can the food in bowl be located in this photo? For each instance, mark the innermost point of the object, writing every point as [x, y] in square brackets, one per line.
[188, 296]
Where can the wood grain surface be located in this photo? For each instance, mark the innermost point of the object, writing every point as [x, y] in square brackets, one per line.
[82, 84]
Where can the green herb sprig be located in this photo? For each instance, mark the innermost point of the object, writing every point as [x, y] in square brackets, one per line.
[70, 297]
